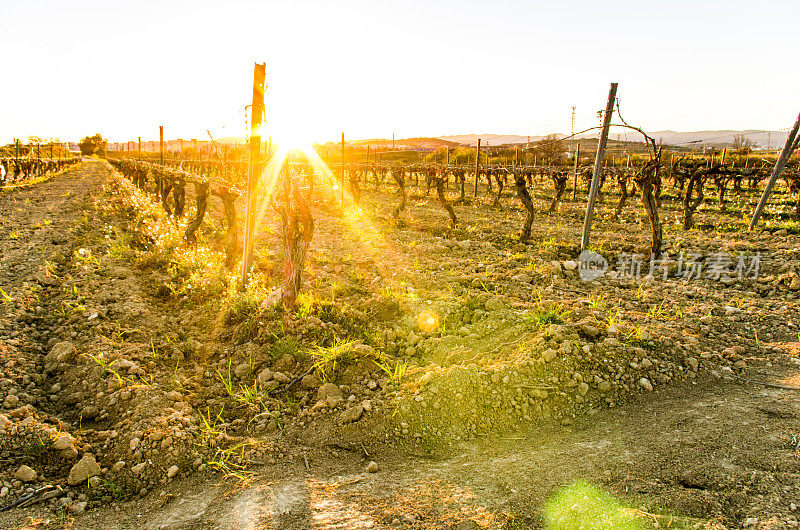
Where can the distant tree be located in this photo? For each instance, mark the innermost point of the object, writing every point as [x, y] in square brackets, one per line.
[742, 144]
[551, 148]
[93, 145]
[440, 155]
[462, 155]
[35, 140]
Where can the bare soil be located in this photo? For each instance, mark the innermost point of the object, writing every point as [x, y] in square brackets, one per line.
[485, 426]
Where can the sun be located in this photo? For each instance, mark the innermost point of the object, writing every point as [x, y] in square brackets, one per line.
[290, 135]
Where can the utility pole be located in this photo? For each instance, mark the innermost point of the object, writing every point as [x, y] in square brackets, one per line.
[259, 73]
[140, 148]
[342, 191]
[776, 172]
[392, 140]
[477, 165]
[161, 144]
[598, 165]
[527, 147]
[572, 131]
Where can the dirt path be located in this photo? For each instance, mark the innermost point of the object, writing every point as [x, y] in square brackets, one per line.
[713, 451]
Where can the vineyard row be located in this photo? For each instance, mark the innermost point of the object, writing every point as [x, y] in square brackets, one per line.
[688, 177]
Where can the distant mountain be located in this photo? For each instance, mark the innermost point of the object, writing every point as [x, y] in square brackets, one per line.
[773, 139]
[422, 142]
[490, 139]
[719, 138]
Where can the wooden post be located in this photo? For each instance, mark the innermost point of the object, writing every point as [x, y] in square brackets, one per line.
[342, 190]
[477, 165]
[259, 73]
[140, 148]
[598, 166]
[575, 173]
[776, 172]
[161, 144]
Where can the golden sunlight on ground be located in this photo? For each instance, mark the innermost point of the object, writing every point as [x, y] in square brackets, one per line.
[372, 243]
[347, 502]
[313, 504]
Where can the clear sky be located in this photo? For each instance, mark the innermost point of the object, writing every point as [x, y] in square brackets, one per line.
[373, 68]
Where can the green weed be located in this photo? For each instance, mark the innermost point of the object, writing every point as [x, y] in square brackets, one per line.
[545, 313]
[226, 379]
[329, 358]
[209, 428]
[251, 395]
[106, 367]
[395, 374]
[596, 301]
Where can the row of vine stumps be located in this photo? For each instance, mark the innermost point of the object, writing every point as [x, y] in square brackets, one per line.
[131, 360]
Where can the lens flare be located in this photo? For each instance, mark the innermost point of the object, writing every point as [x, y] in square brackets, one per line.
[428, 321]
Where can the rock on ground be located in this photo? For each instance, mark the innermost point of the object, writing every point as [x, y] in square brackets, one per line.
[25, 474]
[85, 468]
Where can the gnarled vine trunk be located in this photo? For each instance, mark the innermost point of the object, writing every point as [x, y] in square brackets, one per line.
[559, 185]
[695, 184]
[298, 229]
[500, 179]
[622, 179]
[201, 196]
[355, 190]
[647, 180]
[439, 181]
[179, 196]
[525, 199]
[400, 177]
[164, 187]
[232, 245]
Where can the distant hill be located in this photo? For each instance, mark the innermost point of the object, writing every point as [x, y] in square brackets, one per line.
[719, 138]
[422, 142]
[490, 139]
